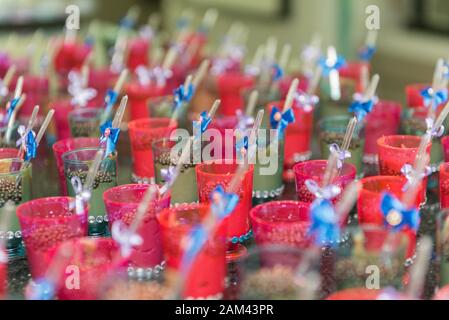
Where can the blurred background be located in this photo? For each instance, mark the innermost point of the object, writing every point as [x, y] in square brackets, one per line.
[413, 34]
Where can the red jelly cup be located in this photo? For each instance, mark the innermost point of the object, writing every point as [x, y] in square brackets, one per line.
[230, 86]
[226, 125]
[138, 99]
[66, 145]
[353, 71]
[368, 202]
[36, 89]
[143, 133]
[121, 204]
[138, 51]
[93, 260]
[396, 151]
[384, 120]
[444, 185]
[314, 170]
[45, 223]
[281, 223]
[208, 271]
[298, 136]
[209, 176]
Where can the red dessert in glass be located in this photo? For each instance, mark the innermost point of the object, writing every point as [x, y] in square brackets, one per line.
[121, 204]
[66, 145]
[47, 222]
[143, 133]
[138, 99]
[138, 52]
[230, 86]
[282, 223]
[314, 170]
[211, 175]
[207, 273]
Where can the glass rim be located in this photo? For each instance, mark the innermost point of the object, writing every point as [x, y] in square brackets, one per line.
[140, 124]
[364, 180]
[25, 165]
[165, 217]
[352, 170]
[382, 143]
[107, 195]
[254, 212]
[224, 162]
[76, 161]
[26, 209]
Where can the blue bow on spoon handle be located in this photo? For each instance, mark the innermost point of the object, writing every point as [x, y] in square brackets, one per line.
[112, 95]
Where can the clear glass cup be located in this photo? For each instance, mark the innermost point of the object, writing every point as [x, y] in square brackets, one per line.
[85, 122]
[77, 163]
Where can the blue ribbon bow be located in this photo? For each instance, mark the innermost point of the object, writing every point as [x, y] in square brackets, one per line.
[285, 119]
[396, 215]
[31, 146]
[12, 107]
[324, 223]
[432, 98]
[328, 67]
[182, 95]
[278, 73]
[222, 202]
[361, 109]
[109, 135]
[366, 53]
[41, 289]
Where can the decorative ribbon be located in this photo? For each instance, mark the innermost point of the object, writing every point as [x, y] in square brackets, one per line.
[28, 142]
[433, 132]
[125, 237]
[434, 98]
[168, 174]
[281, 120]
[82, 196]
[12, 106]
[396, 215]
[110, 98]
[305, 101]
[80, 95]
[222, 202]
[361, 108]
[158, 74]
[200, 126]
[278, 73]
[329, 192]
[182, 95]
[3, 89]
[324, 223]
[409, 172]
[341, 155]
[328, 66]
[366, 53]
[244, 121]
[109, 136]
[241, 145]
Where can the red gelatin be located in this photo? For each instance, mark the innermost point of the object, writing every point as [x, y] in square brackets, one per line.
[384, 120]
[138, 51]
[121, 204]
[281, 223]
[396, 151]
[210, 175]
[138, 99]
[368, 202]
[314, 170]
[45, 223]
[353, 71]
[226, 125]
[66, 145]
[143, 133]
[444, 185]
[94, 258]
[230, 86]
[298, 136]
[208, 271]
